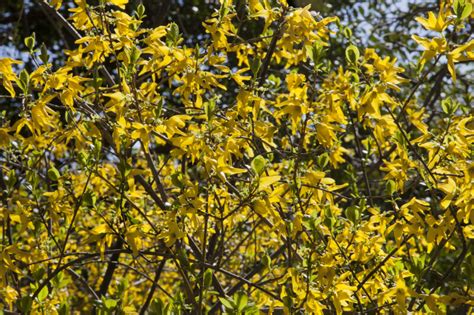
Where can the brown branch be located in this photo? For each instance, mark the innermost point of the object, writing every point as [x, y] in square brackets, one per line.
[271, 49]
[380, 265]
[150, 191]
[84, 283]
[199, 256]
[255, 269]
[156, 176]
[110, 268]
[50, 11]
[153, 286]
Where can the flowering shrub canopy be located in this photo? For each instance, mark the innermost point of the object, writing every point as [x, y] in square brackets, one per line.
[239, 175]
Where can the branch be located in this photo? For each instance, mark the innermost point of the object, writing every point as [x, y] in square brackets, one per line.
[110, 268]
[199, 256]
[256, 269]
[84, 283]
[50, 11]
[151, 191]
[153, 286]
[271, 49]
[156, 176]
[380, 265]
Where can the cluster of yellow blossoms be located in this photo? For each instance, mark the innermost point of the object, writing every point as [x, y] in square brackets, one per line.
[238, 174]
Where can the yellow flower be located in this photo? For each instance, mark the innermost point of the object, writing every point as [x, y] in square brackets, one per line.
[7, 75]
[433, 22]
[9, 295]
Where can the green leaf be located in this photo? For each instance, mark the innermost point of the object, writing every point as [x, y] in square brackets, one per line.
[251, 310]
[53, 174]
[89, 199]
[177, 180]
[64, 309]
[323, 160]
[173, 34]
[444, 106]
[267, 261]
[24, 304]
[44, 54]
[353, 213]
[43, 294]
[352, 54]
[230, 305]
[258, 164]
[38, 274]
[255, 64]
[318, 52]
[391, 187]
[329, 219]
[207, 278]
[11, 181]
[135, 54]
[183, 258]
[462, 9]
[457, 4]
[347, 32]
[449, 106]
[30, 42]
[24, 81]
[157, 307]
[241, 300]
[466, 12]
[110, 304]
[159, 108]
[209, 109]
[140, 11]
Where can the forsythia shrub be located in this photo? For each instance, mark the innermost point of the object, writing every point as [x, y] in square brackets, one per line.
[238, 175]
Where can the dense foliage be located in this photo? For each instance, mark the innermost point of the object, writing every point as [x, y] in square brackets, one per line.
[269, 160]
